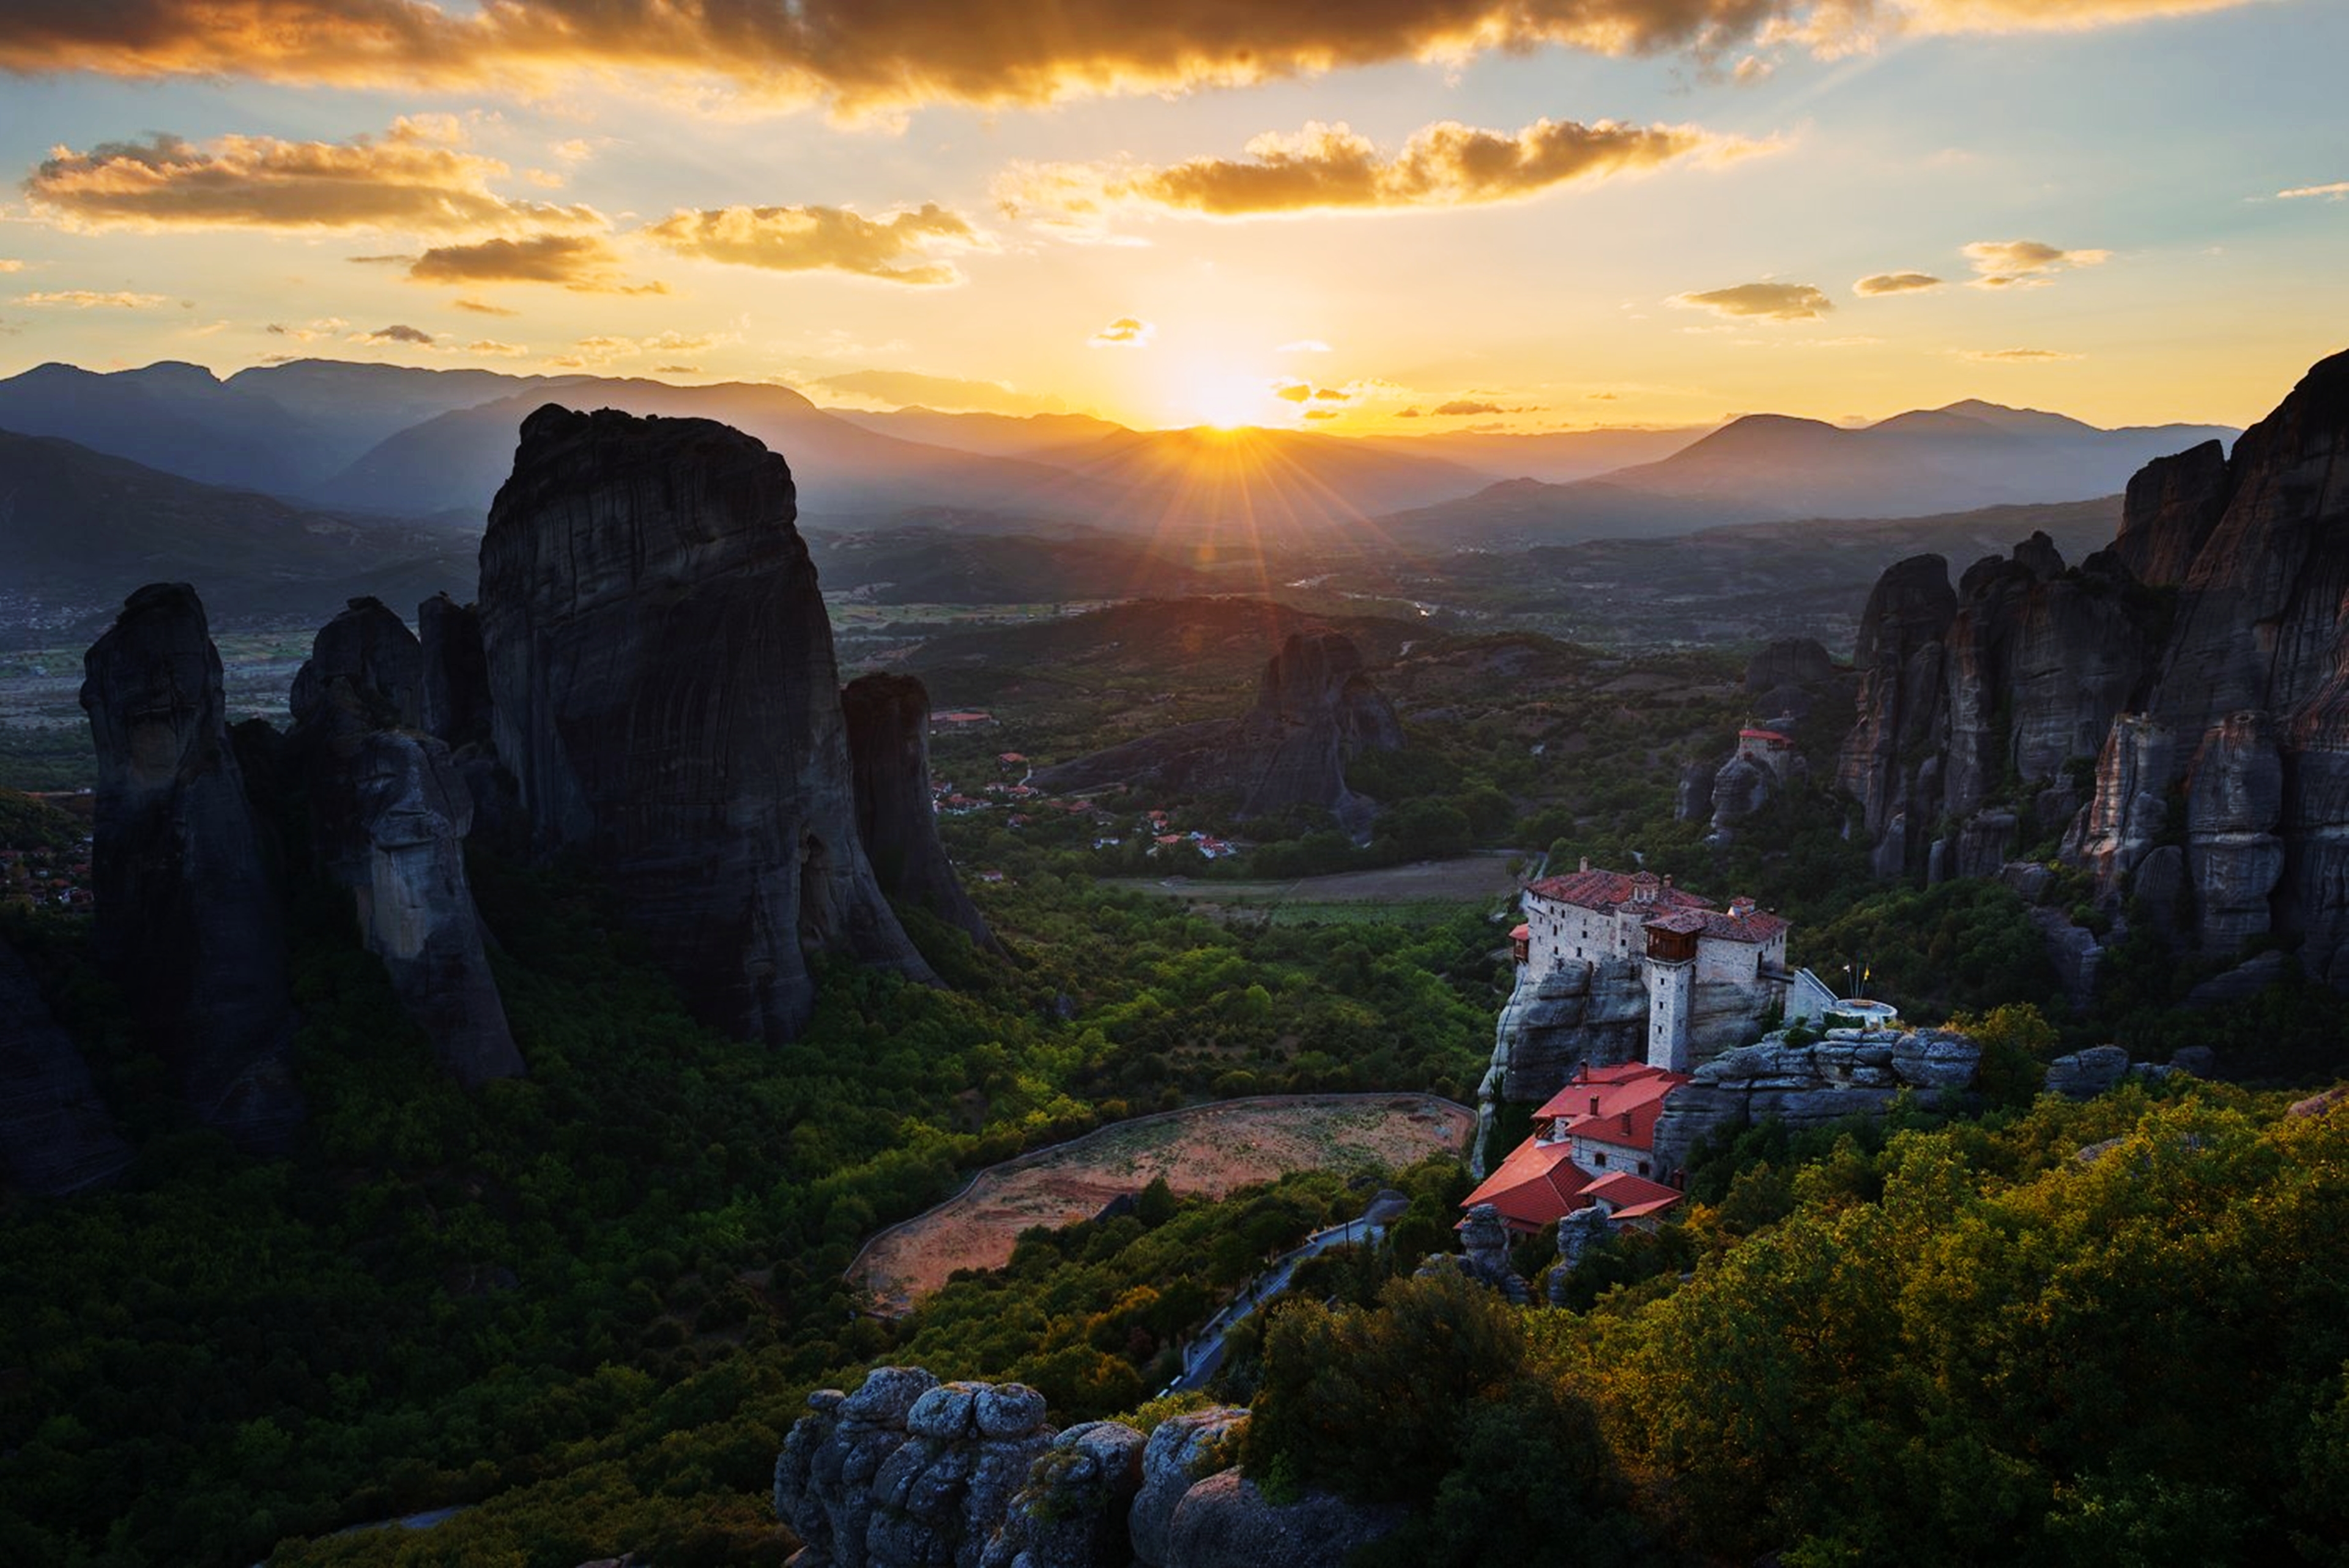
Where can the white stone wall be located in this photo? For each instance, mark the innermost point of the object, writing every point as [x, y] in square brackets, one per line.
[1599, 1157]
[1671, 991]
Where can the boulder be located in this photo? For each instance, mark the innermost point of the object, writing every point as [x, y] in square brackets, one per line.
[1182, 1451]
[1072, 1512]
[664, 691]
[2242, 982]
[189, 924]
[1225, 1521]
[2085, 1074]
[56, 1136]
[888, 718]
[1741, 787]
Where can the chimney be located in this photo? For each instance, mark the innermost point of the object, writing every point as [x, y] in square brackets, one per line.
[1586, 863]
[1626, 1121]
[1668, 879]
[1594, 1105]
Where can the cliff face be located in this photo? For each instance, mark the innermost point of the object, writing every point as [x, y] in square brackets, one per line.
[389, 812]
[56, 1136]
[888, 718]
[664, 691]
[1316, 709]
[2215, 703]
[188, 920]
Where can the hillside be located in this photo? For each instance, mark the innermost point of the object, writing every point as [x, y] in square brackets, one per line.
[80, 530]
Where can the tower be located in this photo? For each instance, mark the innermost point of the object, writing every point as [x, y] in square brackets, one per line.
[1670, 969]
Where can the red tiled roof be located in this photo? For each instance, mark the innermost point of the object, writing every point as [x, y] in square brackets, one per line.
[1764, 735]
[1632, 1197]
[1753, 926]
[1538, 1185]
[1520, 934]
[1688, 922]
[1607, 891]
[1632, 1089]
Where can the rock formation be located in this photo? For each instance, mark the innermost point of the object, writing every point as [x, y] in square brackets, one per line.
[56, 1136]
[888, 718]
[456, 676]
[1226, 1521]
[1316, 709]
[908, 1472]
[664, 691]
[1484, 1256]
[1182, 1450]
[390, 813]
[188, 922]
[1852, 1072]
[2216, 709]
[1578, 1234]
[1073, 1512]
[1581, 1012]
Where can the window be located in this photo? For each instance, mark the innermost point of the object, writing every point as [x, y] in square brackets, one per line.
[1644, 1167]
[1598, 1160]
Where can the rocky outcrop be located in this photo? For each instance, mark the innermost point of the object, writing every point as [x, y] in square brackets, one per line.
[456, 673]
[56, 1136]
[1578, 1234]
[1226, 1521]
[1578, 1012]
[389, 812]
[2172, 505]
[1739, 788]
[1072, 1511]
[189, 925]
[888, 718]
[1851, 1072]
[664, 691]
[1900, 654]
[2085, 1074]
[2234, 802]
[1484, 1256]
[1316, 709]
[1183, 1451]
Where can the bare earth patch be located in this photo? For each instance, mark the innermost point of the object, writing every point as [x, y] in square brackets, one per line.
[1207, 1149]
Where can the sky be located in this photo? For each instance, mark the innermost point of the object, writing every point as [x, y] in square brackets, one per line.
[1392, 216]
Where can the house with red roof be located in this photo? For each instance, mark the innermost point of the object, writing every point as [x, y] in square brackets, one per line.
[1768, 748]
[1593, 1142]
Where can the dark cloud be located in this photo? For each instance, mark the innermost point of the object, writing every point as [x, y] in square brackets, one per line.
[584, 264]
[895, 248]
[397, 332]
[1895, 282]
[1765, 301]
[858, 57]
[1459, 408]
[482, 307]
[1323, 413]
[1331, 168]
[417, 178]
[1407, 414]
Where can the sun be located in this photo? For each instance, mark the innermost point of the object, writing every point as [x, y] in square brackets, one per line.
[1226, 400]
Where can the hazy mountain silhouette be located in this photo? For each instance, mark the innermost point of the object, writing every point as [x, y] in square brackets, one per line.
[1554, 457]
[80, 530]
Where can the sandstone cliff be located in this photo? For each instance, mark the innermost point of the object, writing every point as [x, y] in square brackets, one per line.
[888, 718]
[188, 920]
[55, 1136]
[390, 813]
[664, 691]
[1316, 709]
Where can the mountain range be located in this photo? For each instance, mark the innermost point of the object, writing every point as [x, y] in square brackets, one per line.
[315, 473]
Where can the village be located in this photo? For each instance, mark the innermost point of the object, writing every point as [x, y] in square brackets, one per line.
[42, 867]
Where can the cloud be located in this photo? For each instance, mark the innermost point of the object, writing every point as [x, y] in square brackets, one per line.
[1764, 301]
[1885, 282]
[954, 394]
[1304, 346]
[584, 263]
[894, 247]
[325, 328]
[397, 332]
[1125, 332]
[1460, 408]
[604, 348]
[2025, 264]
[2018, 356]
[482, 307]
[859, 59]
[677, 369]
[2332, 193]
[415, 178]
[1323, 413]
[1294, 392]
[10, 263]
[1409, 414]
[492, 346]
[1329, 167]
[87, 299]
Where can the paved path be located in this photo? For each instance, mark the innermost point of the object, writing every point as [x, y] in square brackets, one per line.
[1204, 1356]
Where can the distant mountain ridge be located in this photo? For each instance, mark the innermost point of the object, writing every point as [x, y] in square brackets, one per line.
[410, 442]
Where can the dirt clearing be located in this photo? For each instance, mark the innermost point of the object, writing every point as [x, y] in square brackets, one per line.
[1207, 1149]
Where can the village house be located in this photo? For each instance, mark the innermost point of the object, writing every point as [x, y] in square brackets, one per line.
[1593, 1143]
